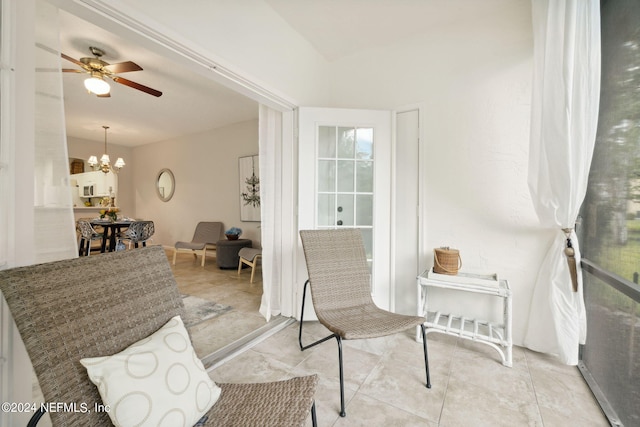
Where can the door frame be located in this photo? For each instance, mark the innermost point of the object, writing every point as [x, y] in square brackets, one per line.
[309, 120]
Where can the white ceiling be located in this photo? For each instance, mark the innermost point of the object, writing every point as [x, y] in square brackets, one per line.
[337, 28]
[192, 104]
[189, 104]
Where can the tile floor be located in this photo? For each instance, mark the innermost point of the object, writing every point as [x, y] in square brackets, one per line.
[224, 287]
[384, 381]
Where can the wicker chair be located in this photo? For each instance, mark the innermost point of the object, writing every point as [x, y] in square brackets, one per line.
[87, 235]
[139, 232]
[62, 317]
[205, 237]
[341, 293]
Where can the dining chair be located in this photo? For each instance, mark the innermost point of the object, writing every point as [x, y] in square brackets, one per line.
[68, 323]
[87, 235]
[205, 237]
[339, 279]
[139, 232]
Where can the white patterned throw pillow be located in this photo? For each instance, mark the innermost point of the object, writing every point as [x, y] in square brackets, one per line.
[158, 381]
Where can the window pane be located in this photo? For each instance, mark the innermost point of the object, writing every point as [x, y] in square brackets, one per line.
[364, 143]
[364, 207]
[611, 232]
[364, 177]
[327, 142]
[609, 228]
[326, 209]
[345, 209]
[326, 175]
[613, 346]
[345, 175]
[346, 141]
[367, 237]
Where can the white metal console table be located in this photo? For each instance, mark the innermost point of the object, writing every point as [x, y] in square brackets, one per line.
[495, 335]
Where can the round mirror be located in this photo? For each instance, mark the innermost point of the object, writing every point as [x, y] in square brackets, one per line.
[165, 185]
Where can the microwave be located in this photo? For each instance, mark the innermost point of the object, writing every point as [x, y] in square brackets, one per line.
[88, 190]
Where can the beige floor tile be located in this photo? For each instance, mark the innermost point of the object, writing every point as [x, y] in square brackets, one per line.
[365, 411]
[548, 363]
[555, 419]
[323, 360]
[467, 404]
[403, 385]
[328, 401]
[250, 367]
[565, 396]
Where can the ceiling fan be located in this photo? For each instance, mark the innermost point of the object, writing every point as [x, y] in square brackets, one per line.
[99, 69]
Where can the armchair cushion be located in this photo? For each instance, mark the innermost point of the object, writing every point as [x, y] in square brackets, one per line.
[158, 380]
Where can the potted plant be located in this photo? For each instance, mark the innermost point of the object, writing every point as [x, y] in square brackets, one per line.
[233, 233]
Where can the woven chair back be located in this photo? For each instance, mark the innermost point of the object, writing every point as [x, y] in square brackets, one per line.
[339, 275]
[63, 317]
[140, 231]
[207, 232]
[85, 229]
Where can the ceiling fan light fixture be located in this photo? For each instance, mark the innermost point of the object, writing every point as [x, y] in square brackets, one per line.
[96, 84]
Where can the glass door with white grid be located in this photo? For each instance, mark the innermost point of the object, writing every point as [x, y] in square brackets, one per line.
[344, 161]
[345, 180]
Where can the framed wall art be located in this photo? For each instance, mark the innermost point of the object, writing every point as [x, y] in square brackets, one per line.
[249, 188]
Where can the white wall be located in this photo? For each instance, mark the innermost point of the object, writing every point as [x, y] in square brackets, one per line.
[474, 76]
[205, 167]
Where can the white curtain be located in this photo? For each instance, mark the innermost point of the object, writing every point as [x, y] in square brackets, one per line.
[54, 229]
[566, 89]
[270, 142]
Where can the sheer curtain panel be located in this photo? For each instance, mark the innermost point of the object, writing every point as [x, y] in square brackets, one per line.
[270, 142]
[564, 115]
[54, 229]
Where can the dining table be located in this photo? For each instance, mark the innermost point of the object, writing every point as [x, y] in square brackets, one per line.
[111, 231]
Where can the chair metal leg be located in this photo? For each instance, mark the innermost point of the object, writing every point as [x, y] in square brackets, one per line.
[320, 341]
[342, 411]
[426, 358]
[33, 421]
[314, 420]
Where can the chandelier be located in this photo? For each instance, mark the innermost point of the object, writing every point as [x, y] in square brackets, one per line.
[252, 195]
[105, 163]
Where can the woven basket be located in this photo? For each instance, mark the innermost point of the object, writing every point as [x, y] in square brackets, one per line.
[446, 261]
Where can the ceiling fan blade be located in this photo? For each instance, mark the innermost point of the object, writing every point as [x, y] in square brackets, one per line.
[123, 67]
[135, 85]
[75, 61]
[72, 70]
